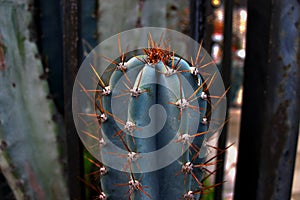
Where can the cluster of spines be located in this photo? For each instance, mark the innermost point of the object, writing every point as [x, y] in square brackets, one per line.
[153, 55]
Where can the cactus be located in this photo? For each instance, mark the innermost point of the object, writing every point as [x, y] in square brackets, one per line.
[164, 184]
[29, 154]
[143, 104]
[140, 13]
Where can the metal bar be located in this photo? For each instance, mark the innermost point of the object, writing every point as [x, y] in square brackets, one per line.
[252, 121]
[209, 27]
[271, 108]
[71, 62]
[282, 103]
[49, 34]
[226, 71]
[197, 17]
[201, 22]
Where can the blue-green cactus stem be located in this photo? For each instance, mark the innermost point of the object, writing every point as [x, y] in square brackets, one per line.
[196, 82]
[142, 98]
[112, 178]
[167, 85]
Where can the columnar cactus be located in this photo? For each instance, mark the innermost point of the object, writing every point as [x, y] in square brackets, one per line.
[154, 111]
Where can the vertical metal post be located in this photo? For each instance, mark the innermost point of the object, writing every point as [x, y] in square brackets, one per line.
[257, 51]
[209, 27]
[226, 71]
[49, 33]
[271, 101]
[197, 18]
[71, 62]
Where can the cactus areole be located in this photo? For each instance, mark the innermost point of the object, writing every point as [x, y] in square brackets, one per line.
[149, 114]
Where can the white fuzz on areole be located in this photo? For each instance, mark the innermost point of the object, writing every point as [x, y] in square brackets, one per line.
[122, 66]
[189, 196]
[182, 103]
[204, 121]
[129, 126]
[132, 156]
[187, 168]
[102, 196]
[203, 95]
[103, 170]
[134, 184]
[135, 92]
[185, 138]
[170, 71]
[194, 71]
[102, 142]
[106, 91]
[102, 117]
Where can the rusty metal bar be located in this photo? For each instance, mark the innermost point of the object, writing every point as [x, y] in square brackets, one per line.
[271, 101]
[72, 57]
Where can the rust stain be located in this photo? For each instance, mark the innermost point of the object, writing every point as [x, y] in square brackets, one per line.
[280, 116]
[2, 57]
[280, 126]
[282, 86]
[274, 152]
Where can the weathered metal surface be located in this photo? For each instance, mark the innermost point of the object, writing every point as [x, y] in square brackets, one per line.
[72, 58]
[271, 109]
[282, 103]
